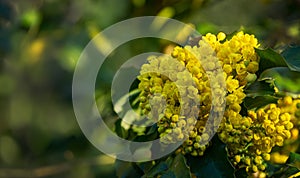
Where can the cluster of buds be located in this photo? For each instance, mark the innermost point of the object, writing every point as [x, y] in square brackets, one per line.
[216, 72]
[183, 90]
[251, 138]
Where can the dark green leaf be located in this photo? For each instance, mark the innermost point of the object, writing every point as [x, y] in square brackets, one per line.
[283, 78]
[152, 129]
[289, 171]
[169, 161]
[259, 88]
[240, 173]
[172, 167]
[179, 167]
[285, 171]
[127, 169]
[292, 58]
[272, 169]
[151, 135]
[155, 170]
[145, 166]
[294, 160]
[259, 101]
[214, 163]
[269, 59]
[169, 174]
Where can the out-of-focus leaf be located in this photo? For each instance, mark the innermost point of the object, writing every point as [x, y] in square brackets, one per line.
[214, 163]
[283, 78]
[259, 88]
[7, 11]
[10, 150]
[206, 27]
[31, 18]
[292, 58]
[8, 82]
[259, 101]
[167, 12]
[5, 41]
[70, 55]
[269, 59]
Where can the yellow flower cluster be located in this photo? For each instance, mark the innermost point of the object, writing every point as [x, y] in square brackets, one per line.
[162, 88]
[237, 55]
[210, 63]
[250, 139]
[291, 106]
[184, 90]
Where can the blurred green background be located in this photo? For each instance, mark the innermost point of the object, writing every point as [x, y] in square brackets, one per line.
[40, 42]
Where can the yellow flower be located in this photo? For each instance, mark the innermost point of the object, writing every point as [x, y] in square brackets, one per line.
[231, 84]
[227, 68]
[221, 36]
[237, 158]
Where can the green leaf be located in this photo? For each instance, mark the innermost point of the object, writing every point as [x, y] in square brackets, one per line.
[294, 160]
[127, 169]
[179, 167]
[146, 166]
[289, 171]
[153, 129]
[172, 167]
[285, 171]
[168, 174]
[31, 17]
[272, 169]
[155, 170]
[269, 59]
[259, 88]
[206, 27]
[259, 101]
[214, 163]
[283, 78]
[292, 58]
